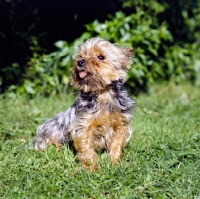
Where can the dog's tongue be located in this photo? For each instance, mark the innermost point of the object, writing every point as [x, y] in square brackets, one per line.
[82, 74]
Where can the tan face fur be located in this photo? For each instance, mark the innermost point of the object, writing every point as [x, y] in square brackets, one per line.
[98, 63]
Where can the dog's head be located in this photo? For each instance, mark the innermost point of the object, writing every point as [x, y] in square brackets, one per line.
[98, 63]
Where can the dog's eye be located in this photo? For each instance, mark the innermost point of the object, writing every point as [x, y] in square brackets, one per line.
[100, 57]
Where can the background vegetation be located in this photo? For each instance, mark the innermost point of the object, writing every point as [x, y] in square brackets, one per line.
[164, 33]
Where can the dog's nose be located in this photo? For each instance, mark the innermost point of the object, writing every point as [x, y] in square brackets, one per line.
[81, 63]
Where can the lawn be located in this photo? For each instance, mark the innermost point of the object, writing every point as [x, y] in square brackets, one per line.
[162, 159]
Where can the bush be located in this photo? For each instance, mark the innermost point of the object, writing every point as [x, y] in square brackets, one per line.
[49, 73]
[157, 55]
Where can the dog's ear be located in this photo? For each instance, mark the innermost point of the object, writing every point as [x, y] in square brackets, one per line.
[129, 52]
[128, 55]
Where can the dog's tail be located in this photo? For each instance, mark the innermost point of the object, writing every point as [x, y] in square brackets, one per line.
[54, 130]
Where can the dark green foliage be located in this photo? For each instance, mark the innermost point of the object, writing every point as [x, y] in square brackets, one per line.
[50, 73]
[18, 20]
[47, 21]
[162, 50]
[183, 18]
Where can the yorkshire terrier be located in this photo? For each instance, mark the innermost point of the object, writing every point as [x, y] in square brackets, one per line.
[101, 116]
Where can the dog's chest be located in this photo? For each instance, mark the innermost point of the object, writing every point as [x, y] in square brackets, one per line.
[106, 104]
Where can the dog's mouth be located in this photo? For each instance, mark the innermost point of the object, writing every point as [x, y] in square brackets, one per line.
[83, 74]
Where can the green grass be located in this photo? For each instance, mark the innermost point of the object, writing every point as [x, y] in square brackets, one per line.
[162, 159]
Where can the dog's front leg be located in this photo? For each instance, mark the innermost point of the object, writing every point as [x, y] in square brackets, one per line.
[86, 154]
[119, 140]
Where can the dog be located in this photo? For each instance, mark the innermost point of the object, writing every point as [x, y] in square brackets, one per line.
[101, 116]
